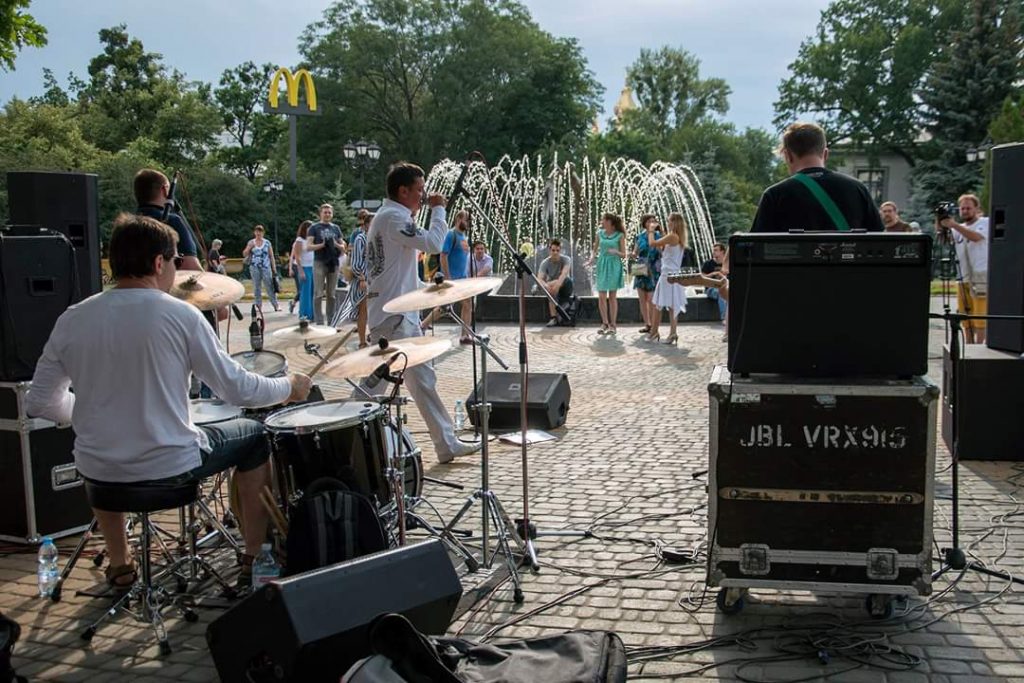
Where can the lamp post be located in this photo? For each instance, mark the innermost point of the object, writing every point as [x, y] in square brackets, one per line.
[273, 187]
[980, 152]
[361, 155]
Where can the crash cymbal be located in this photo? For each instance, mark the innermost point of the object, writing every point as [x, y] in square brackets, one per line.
[304, 331]
[364, 361]
[447, 292]
[206, 291]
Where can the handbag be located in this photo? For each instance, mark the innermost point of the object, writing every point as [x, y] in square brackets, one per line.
[640, 270]
[277, 283]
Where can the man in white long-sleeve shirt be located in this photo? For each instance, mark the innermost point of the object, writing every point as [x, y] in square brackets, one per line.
[128, 353]
[393, 244]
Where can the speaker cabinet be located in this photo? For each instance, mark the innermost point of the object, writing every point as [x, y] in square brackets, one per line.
[547, 400]
[314, 626]
[35, 288]
[1006, 248]
[67, 203]
[990, 385]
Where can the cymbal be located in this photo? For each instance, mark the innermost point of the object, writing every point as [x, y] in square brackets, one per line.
[206, 291]
[364, 361]
[447, 292]
[304, 331]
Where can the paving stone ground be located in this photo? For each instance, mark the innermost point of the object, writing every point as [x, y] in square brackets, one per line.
[622, 467]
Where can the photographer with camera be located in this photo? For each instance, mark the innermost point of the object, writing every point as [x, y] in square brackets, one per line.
[970, 239]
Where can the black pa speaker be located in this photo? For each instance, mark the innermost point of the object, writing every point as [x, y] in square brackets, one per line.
[314, 626]
[547, 400]
[35, 288]
[1006, 248]
[67, 203]
[990, 385]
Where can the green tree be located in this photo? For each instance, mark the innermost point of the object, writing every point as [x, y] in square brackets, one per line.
[1009, 125]
[240, 96]
[964, 90]
[17, 30]
[670, 92]
[860, 72]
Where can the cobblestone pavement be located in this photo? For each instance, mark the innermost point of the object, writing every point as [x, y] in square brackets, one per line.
[636, 434]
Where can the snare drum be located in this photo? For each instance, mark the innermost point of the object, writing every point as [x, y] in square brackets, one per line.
[268, 364]
[204, 411]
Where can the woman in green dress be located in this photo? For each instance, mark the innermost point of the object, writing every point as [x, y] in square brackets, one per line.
[610, 248]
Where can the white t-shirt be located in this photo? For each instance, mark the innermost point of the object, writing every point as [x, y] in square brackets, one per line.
[305, 255]
[973, 256]
[393, 244]
[129, 353]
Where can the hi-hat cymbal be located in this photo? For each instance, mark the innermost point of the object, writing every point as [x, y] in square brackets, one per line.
[304, 331]
[364, 361]
[443, 294]
[206, 291]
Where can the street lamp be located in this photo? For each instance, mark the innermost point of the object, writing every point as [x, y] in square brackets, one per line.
[273, 187]
[361, 155]
[980, 152]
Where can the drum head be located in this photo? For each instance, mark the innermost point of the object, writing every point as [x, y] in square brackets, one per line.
[204, 411]
[323, 416]
[266, 363]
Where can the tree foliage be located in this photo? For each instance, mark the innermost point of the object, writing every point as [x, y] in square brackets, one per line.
[17, 30]
[670, 92]
[859, 74]
[254, 134]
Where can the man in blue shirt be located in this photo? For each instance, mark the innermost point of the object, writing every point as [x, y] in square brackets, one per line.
[152, 190]
[325, 241]
[455, 266]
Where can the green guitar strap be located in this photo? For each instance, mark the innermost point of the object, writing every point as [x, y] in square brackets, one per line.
[838, 219]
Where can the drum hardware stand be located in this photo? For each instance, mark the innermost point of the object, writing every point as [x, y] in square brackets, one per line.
[491, 508]
[954, 557]
[526, 529]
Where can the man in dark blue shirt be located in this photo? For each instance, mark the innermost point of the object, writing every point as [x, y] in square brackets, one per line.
[325, 241]
[151, 193]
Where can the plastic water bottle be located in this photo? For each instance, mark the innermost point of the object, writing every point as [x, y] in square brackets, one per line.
[264, 568]
[48, 573]
[460, 416]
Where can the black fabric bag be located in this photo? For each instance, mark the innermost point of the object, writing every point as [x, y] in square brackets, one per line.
[572, 657]
[10, 631]
[331, 524]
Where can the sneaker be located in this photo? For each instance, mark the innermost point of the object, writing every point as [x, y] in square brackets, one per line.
[552, 323]
[459, 451]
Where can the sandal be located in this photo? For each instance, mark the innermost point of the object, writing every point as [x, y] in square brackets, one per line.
[122, 577]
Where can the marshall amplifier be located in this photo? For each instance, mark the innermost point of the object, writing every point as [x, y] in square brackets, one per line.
[821, 485]
[829, 304]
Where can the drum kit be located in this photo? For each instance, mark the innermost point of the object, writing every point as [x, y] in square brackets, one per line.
[358, 441]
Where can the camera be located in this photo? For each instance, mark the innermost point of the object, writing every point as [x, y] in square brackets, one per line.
[945, 210]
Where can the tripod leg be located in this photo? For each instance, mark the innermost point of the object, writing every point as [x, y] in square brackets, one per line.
[446, 537]
[525, 546]
[502, 531]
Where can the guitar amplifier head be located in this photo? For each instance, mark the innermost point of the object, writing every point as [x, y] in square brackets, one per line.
[829, 304]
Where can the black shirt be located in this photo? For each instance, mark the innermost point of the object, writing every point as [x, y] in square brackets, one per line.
[186, 243]
[710, 266]
[326, 234]
[211, 260]
[789, 205]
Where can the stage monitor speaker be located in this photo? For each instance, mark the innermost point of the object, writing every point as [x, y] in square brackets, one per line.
[314, 626]
[35, 288]
[547, 400]
[836, 304]
[990, 385]
[1006, 248]
[67, 203]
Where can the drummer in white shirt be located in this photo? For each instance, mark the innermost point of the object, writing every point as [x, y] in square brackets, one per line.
[393, 244]
[128, 354]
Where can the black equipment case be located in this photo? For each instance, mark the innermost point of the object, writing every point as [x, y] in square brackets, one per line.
[41, 492]
[821, 485]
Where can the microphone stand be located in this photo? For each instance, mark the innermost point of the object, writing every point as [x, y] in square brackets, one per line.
[954, 557]
[525, 531]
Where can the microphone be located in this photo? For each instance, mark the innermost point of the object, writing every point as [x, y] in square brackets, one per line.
[382, 372]
[169, 204]
[238, 312]
[458, 189]
[256, 331]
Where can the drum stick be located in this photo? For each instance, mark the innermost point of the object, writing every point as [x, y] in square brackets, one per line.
[275, 513]
[334, 349]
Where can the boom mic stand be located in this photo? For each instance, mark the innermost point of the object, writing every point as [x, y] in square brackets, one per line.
[526, 530]
[954, 557]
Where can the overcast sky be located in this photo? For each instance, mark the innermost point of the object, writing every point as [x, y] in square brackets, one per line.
[749, 43]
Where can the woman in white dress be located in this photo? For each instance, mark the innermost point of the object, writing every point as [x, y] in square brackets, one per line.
[666, 294]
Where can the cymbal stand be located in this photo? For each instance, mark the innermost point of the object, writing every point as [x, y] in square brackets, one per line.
[491, 508]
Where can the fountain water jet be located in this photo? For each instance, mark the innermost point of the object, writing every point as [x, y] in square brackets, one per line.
[532, 202]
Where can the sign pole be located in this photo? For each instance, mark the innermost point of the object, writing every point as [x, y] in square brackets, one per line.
[293, 143]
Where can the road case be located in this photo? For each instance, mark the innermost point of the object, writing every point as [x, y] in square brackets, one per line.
[821, 485]
[41, 492]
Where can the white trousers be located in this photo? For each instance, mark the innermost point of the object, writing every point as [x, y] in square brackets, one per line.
[421, 381]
